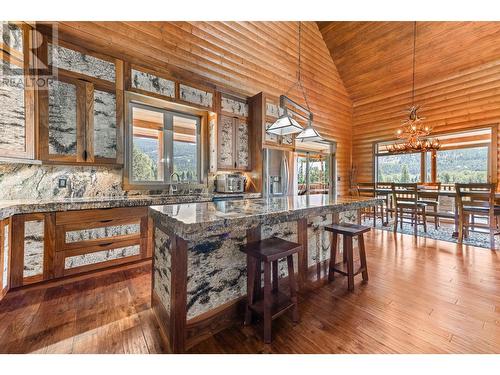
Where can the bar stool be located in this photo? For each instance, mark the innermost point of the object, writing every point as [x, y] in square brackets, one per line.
[274, 303]
[348, 231]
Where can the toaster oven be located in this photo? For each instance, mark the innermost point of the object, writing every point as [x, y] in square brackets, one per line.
[230, 183]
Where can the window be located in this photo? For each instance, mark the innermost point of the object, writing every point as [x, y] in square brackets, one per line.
[464, 157]
[164, 146]
[398, 168]
[462, 165]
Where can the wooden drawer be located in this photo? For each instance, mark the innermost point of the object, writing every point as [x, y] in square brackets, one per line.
[50, 245]
[100, 256]
[97, 233]
[95, 239]
[99, 215]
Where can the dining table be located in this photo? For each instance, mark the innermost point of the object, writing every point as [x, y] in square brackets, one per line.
[450, 193]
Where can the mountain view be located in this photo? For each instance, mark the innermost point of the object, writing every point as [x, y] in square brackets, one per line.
[145, 160]
[459, 165]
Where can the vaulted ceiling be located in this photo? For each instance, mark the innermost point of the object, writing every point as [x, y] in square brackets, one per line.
[375, 58]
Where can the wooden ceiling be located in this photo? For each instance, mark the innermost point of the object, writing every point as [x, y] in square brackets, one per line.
[375, 58]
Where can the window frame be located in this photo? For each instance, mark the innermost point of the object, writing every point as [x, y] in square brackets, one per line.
[169, 110]
[492, 152]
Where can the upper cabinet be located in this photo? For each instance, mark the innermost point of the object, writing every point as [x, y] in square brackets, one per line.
[16, 95]
[230, 135]
[146, 81]
[81, 110]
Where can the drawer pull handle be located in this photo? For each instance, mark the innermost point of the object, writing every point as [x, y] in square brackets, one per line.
[106, 244]
[106, 221]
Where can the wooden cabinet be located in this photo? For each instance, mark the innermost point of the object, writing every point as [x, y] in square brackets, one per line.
[89, 240]
[4, 256]
[17, 98]
[81, 111]
[233, 144]
[46, 246]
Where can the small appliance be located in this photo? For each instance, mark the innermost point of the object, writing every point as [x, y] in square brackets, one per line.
[230, 183]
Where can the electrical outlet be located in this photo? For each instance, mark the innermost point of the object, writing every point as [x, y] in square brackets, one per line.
[62, 182]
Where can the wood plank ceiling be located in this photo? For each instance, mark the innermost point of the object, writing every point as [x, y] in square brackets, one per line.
[246, 57]
[457, 76]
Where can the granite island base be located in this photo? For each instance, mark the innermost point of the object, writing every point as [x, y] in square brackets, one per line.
[199, 272]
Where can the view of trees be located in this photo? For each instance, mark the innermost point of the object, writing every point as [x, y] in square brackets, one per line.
[318, 174]
[144, 167]
[185, 159]
[463, 165]
[145, 160]
[460, 165]
[399, 168]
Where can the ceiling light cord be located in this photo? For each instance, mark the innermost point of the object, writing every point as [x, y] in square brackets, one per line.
[414, 54]
[299, 65]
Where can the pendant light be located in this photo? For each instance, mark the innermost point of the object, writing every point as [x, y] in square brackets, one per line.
[309, 134]
[286, 124]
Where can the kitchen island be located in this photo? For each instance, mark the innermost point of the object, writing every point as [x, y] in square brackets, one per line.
[199, 272]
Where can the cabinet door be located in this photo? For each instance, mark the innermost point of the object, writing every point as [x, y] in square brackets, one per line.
[4, 257]
[105, 129]
[32, 248]
[62, 120]
[242, 142]
[226, 134]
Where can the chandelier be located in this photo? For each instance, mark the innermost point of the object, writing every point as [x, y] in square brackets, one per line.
[412, 131]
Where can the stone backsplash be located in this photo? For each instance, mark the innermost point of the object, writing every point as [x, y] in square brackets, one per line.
[30, 181]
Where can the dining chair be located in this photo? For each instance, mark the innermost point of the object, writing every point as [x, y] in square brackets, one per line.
[386, 208]
[478, 200]
[406, 205]
[366, 189]
[431, 198]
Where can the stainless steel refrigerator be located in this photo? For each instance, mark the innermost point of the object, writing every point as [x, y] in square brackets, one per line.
[276, 172]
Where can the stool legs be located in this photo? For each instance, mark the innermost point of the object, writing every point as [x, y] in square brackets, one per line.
[267, 303]
[347, 242]
[293, 289]
[362, 256]
[251, 276]
[333, 256]
[275, 276]
[350, 262]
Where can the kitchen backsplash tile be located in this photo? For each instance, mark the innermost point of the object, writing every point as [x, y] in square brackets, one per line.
[26, 181]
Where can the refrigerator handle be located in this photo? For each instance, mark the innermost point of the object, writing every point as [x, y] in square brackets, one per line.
[286, 175]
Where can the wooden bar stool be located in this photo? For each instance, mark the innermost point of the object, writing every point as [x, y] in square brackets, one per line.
[348, 231]
[274, 303]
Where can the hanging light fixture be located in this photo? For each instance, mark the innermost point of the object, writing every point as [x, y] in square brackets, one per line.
[309, 134]
[412, 130]
[286, 124]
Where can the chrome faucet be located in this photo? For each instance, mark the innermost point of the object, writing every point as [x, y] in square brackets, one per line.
[173, 188]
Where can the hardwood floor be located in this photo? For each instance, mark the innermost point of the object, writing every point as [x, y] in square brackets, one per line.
[424, 296]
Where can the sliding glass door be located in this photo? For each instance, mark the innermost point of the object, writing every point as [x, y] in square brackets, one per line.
[313, 175]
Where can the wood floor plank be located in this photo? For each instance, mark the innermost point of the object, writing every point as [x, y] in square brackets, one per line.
[424, 296]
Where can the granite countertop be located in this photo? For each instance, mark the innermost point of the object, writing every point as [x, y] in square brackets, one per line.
[192, 220]
[25, 206]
